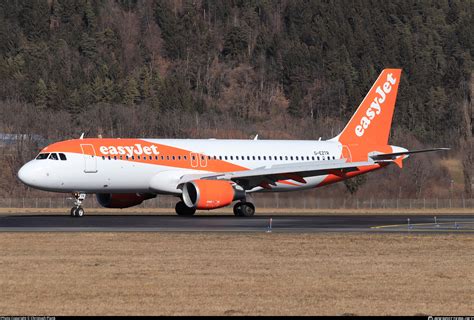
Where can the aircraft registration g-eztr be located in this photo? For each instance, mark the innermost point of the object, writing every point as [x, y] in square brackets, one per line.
[211, 173]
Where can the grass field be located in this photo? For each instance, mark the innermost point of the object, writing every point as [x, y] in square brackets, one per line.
[236, 274]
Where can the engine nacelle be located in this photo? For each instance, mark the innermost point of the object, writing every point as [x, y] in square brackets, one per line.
[210, 194]
[122, 200]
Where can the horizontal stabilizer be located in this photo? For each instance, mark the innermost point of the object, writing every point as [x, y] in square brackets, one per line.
[392, 156]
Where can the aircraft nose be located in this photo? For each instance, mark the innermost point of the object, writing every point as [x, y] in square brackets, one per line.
[30, 174]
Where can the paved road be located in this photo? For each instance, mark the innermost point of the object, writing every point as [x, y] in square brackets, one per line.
[289, 223]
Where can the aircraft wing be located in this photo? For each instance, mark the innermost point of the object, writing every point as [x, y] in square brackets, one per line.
[269, 175]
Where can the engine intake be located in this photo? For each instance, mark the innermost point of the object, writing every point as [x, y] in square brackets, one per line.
[122, 200]
[210, 194]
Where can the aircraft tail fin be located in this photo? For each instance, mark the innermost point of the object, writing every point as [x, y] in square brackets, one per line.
[372, 121]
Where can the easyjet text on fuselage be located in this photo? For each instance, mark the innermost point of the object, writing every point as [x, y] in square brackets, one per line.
[136, 149]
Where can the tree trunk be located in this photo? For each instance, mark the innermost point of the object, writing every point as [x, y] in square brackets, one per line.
[466, 138]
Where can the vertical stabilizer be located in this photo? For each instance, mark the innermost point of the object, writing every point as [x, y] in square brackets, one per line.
[371, 123]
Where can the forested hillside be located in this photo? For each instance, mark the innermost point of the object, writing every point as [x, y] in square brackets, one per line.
[231, 69]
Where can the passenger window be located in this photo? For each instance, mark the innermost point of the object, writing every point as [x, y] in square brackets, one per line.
[286, 157]
[121, 157]
[185, 157]
[231, 158]
[296, 157]
[103, 157]
[236, 157]
[53, 156]
[115, 157]
[173, 157]
[318, 158]
[313, 158]
[62, 156]
[133, 158]
[264, 158]
[42, 156]
[258, 157]
[291, 158]
[225, 157]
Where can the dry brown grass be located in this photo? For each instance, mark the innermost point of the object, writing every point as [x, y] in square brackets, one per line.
[235, 274]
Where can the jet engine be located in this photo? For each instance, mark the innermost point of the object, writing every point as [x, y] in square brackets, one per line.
[122, 200]
[210, 194]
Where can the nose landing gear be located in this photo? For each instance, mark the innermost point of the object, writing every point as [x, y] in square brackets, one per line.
[77, 210]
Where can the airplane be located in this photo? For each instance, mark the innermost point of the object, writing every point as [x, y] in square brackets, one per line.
[206, 174]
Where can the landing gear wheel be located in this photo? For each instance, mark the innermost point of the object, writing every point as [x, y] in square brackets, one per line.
[247, 209]
[183, 210]
[238, 209]
[79, 212]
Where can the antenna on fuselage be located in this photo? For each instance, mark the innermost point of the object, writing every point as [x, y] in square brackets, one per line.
[82, 136]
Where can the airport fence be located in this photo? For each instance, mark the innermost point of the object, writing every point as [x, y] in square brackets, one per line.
[264, 202]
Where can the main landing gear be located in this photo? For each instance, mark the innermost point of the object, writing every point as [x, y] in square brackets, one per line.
[244, 209]
[77, 210]
[183, 210]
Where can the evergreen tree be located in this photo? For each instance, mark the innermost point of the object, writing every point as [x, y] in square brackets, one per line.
[41, 93]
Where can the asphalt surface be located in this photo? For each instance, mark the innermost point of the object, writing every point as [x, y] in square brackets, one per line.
[227, 223]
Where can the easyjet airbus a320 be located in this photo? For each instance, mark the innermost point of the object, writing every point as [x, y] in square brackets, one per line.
[210, 174]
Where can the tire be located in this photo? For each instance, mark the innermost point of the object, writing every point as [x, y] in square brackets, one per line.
[73, 211]
[238, 209]
[247, 209]
[79, 212]
[183, 210]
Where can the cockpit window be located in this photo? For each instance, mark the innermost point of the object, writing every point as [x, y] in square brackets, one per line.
[42, 156]
[62, 156]
[53, 156]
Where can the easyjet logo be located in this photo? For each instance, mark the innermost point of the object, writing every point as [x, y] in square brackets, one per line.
[376, 106]
[136, 149]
